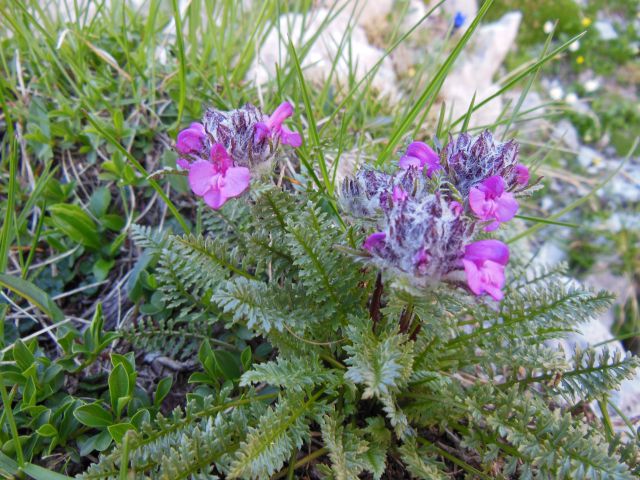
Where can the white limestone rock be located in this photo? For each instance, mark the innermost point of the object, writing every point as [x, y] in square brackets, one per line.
[477, 68]
[605, 30]
[318, 62]
[369, 14]
[565, 133]
[468, 8]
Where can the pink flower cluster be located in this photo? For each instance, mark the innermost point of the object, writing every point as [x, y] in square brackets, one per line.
[220, 152]
[429, 211]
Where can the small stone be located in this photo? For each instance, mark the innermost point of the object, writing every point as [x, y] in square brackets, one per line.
[592, 85]
[567, 134]
[571, 98]
[588, 156]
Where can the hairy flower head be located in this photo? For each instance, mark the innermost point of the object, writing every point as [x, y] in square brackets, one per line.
[471, 160]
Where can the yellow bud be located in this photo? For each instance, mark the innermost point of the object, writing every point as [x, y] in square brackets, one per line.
[586, 21]
[580, 60]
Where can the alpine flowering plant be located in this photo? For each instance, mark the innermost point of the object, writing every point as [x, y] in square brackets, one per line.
[429, 211]
[219, 152]
[405, 338]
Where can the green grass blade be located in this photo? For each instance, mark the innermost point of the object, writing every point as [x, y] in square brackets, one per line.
[313, 128]
[546, 221]
[516, 78]
[33, 295]
[8, 466]
[40, 473]
[532, 78]
[6, 403]
[467, 119]
[432, 88]
[181, 63]
[578, 202]
[6, 239]
[369, 75]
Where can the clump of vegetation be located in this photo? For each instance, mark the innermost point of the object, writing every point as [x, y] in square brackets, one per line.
[192, 289]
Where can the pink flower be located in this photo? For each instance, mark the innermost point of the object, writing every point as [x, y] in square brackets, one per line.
[399, 195]
[522, 174]
[374, 240]
[190, 141]
[218, 180]
[484, 263]
[489, 201]
[273, 127]
[456, 208]
[421, 259]
[418, 155]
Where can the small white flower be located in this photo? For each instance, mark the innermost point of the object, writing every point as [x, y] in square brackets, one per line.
[556, 93]
[591, 85]
[571, 98]
[575, 46]
[548, 26]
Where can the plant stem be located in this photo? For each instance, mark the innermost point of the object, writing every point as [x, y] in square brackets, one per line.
[453, 459]
[124, 463]
[303, 461]
[12, 422]
[329, 359]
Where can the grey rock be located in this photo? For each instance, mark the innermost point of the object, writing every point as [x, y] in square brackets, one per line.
[605, 30]
[477, 68]
[567, 134]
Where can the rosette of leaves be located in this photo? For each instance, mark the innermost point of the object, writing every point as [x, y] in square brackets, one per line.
[369, 372]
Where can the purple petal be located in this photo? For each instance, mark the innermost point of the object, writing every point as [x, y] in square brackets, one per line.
[492, 274]
[456, 208]
[289, 137]
[492, 226]
[493, 186]
[407, 161]
[432, 167]
[374, 240]
[479, 204]
[424, 152]
[398, 195]
[262, 131]
[280, 114]
[220, 158]
[487, 277]
[183, 163]
[494, 292]
[506, 207]
[201, 177]
[191, 140]
[489, 249]
[522, 174]
[214, 198]
[421, 259]
[473, 276]
[235, 181]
